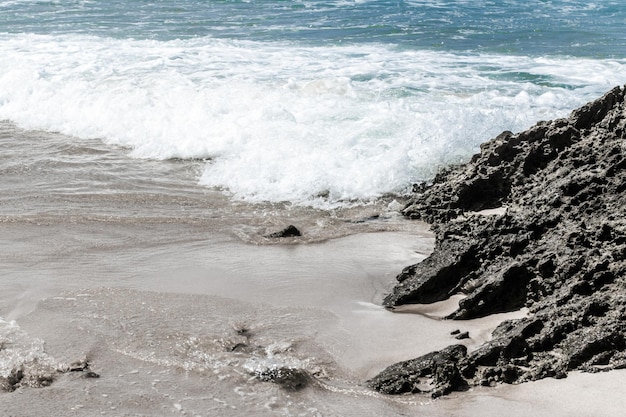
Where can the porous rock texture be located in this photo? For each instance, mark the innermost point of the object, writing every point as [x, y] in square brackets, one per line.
[559, 250]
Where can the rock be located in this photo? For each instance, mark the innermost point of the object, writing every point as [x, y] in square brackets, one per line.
[78, 366]
[289, 231]
[12, 381]
[461, 336]
[558, 250]
[412, 376]
[35, 377]
[35, 374]
[291, 379]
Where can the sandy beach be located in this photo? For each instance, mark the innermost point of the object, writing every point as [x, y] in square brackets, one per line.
[152, 153]
[158, 322]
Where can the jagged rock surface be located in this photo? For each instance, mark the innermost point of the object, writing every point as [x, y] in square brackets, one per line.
[436, 372]
[559, 250]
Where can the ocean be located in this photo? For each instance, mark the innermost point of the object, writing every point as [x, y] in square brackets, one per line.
[317, 103]
[149, 148]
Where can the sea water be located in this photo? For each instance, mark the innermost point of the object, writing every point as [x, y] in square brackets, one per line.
[317, 103]
[147, 150]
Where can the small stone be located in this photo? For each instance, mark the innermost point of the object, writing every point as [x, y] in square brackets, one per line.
[240, 347]
[289, 231]
[78, 366]
[461, 336]
[291, 379]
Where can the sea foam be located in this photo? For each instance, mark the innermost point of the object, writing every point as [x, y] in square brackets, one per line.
[282, 122]
[23, 353]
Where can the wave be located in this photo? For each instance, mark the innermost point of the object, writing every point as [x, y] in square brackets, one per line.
[281, 122]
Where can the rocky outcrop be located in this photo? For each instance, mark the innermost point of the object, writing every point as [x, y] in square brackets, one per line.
[558, 248]
[436, 372]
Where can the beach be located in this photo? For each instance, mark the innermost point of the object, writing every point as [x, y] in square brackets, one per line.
[177, 311]
[153, 153]
[160, 334]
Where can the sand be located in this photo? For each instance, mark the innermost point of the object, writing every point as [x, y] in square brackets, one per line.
[155, 311]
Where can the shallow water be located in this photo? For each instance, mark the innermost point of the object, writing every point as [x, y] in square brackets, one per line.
[162, 354]
[92, 241]
[53, 178]
[163, 325]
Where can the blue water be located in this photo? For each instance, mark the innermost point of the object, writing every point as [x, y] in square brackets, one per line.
[535, 27]
[293, 100]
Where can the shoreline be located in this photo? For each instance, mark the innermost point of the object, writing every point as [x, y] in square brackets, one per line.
[339, 353]
[139, 382]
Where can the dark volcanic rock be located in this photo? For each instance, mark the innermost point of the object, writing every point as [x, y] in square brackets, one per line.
[461, 336]
[289, 231]
[436, 372]
[559, 249]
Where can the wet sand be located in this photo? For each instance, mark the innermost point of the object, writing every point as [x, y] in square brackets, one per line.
[158, 320]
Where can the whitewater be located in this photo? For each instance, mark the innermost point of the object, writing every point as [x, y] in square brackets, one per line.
[281, 115]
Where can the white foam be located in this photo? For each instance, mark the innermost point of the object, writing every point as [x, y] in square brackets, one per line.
[282, 122]
[19, 351]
